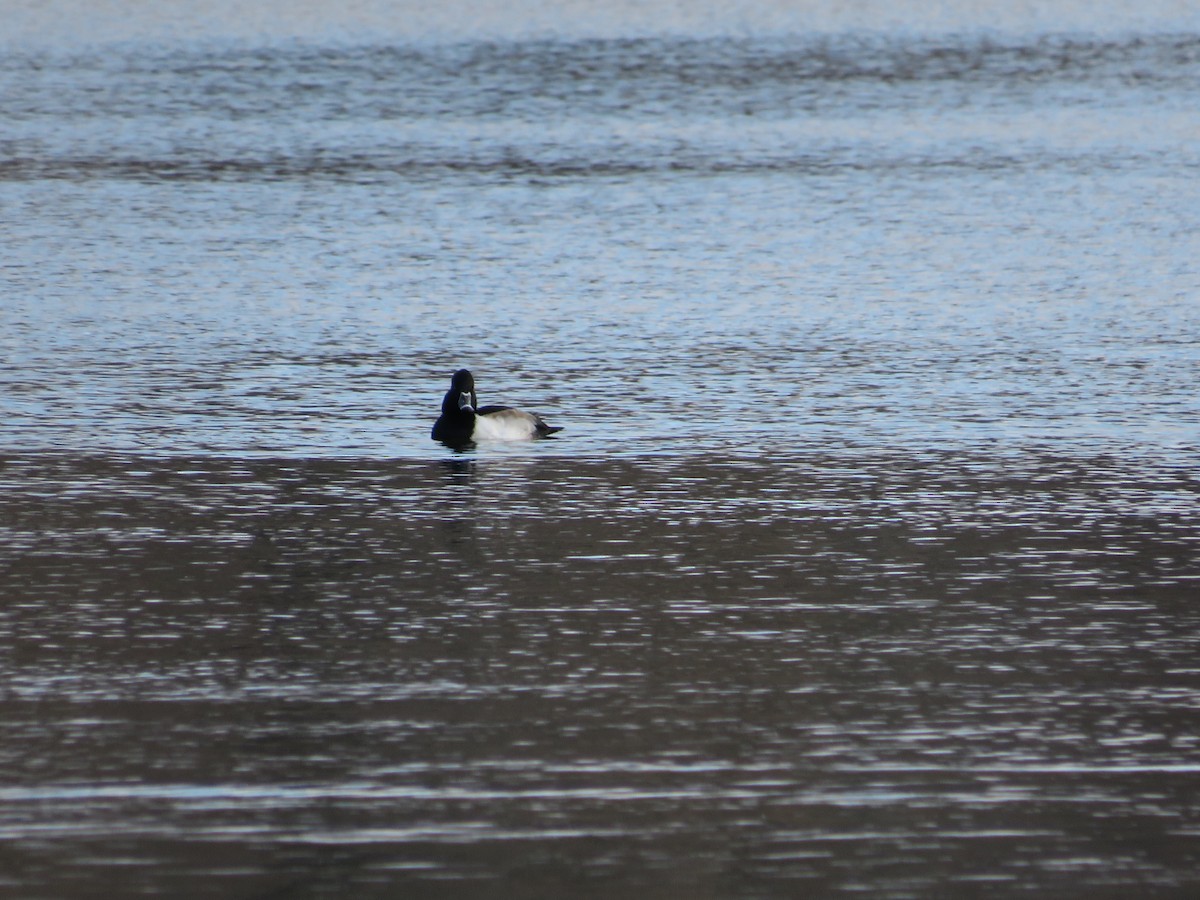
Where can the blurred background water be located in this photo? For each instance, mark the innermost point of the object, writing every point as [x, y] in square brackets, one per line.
[865, 562]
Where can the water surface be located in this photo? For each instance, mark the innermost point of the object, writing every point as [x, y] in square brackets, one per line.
[866, 562]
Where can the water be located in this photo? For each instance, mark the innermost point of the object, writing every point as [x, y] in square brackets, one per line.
[866, 562]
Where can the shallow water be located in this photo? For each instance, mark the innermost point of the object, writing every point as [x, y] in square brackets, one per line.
[866, 561]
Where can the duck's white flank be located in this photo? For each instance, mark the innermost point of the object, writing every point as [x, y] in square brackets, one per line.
[505, 425]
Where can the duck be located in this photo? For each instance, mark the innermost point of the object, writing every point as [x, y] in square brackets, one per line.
[463, 421]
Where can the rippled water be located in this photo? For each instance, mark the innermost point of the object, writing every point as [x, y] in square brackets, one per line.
[516, 675]
[867, 559]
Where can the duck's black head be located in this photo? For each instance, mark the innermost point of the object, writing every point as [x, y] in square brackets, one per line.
[460, 399]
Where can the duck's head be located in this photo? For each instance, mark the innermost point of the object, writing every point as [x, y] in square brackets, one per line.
[462, 390]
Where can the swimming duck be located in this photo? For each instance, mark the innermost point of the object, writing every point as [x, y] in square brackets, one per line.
[463, 421]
